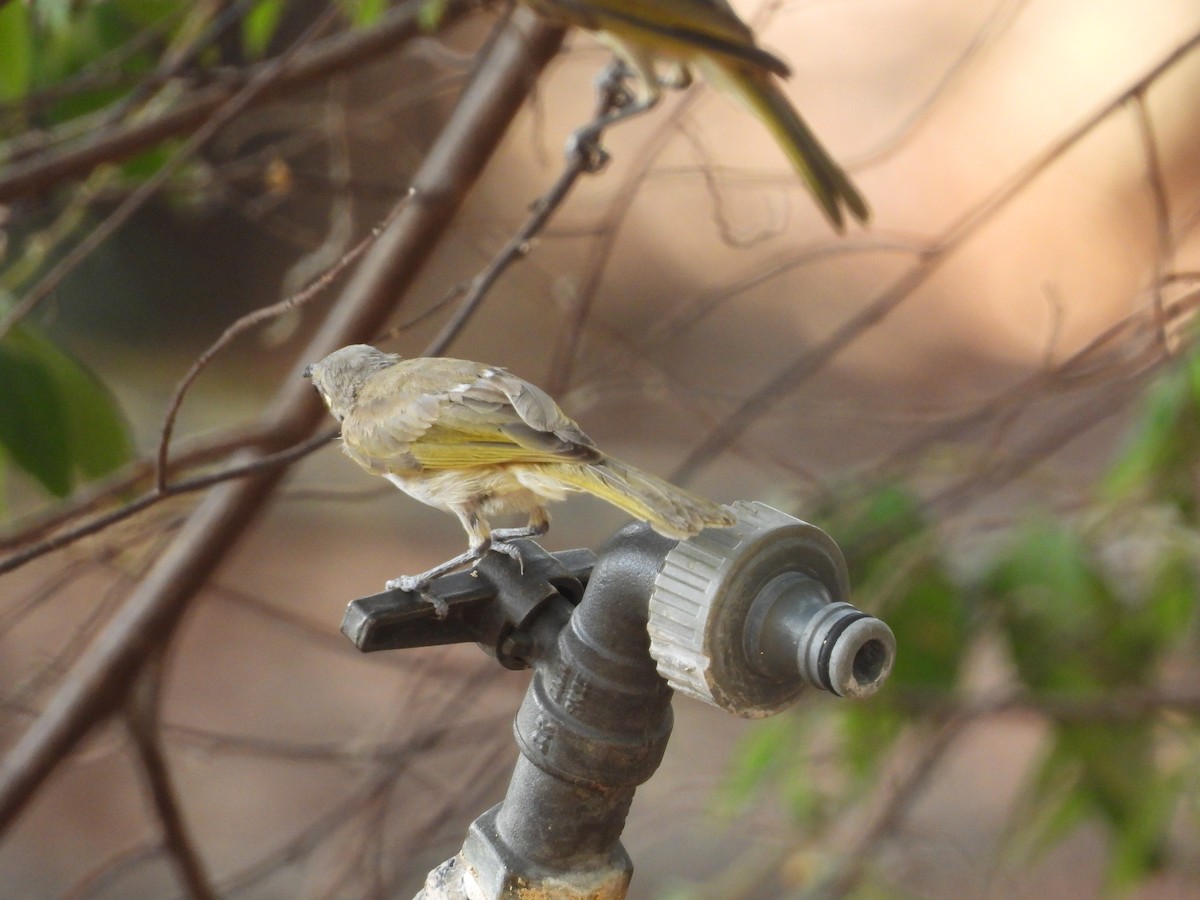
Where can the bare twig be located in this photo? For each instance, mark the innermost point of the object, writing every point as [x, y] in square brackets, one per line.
[111, 870]
[1164, 258]
[395, 764]
[1125, 349]
[134, 475]
[518, 245]
[250, 320]
[1114, 706]
[607, 231]
[998, 21]
[141, 717]
[858, 856]
[245, 468]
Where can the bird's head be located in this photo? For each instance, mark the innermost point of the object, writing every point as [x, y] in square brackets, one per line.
[340, 376]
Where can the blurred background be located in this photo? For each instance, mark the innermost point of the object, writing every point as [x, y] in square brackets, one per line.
[989, 397]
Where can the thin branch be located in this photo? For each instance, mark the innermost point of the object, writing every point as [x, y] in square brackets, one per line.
[393, 768]
[1123, 350]
[1115, 707]
[255, 465]
[518, 245]
[1164, 258]
[133, 475]
[141, 717]
[998, 21]
[858, 856]
[566, 349]
[111, 870]
[250, 320]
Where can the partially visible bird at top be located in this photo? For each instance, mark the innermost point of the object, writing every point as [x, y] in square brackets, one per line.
[662, 41]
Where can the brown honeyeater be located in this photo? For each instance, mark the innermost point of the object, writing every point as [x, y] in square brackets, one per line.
[478, 441]
[708, 36]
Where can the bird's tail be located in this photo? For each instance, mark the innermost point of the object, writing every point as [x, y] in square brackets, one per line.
[670, 510]
[830, 186]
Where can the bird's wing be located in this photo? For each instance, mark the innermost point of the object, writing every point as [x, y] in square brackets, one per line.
[685, 26]
[457, 414]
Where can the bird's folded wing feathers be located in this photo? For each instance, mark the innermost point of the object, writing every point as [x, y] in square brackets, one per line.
[477, 416]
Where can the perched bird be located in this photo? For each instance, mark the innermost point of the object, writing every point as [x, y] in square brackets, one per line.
[708, 36]
[478, 441]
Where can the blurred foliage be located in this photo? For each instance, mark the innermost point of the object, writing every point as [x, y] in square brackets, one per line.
[1096, 615]
[69, 68]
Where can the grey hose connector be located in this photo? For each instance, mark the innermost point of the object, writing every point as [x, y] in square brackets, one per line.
[745, 617]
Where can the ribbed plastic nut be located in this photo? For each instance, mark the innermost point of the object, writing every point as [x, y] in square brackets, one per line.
[703, 594]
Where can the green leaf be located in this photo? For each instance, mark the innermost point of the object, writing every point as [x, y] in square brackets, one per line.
[430, 16]
[765, 747]
[868, 732]
[33, 417]
[53, 15]
[16, 51]
[1172, 601]
[1158, 459]
[61, 420]
[929, 618]
[259, 25]
[1056, 610]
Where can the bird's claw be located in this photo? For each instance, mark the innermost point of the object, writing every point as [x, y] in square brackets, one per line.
[512, 551]
[411, 583]
[612, 84]
[584, 146]
[416, 584]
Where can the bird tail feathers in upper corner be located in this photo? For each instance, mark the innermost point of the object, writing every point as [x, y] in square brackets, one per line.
[829, 185]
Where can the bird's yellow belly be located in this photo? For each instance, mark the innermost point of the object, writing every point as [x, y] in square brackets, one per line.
[491, 490]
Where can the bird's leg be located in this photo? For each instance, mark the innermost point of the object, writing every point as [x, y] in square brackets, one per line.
[479, 536]
[539, 523]
[418, 583]
[584, 143]
[678, 77]
[612, 85]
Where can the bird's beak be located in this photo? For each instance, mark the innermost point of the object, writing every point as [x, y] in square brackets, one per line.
[308, 371]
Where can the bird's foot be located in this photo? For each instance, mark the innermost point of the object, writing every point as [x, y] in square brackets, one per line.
[419, 584]
[583, 146]
[612, 84]
[512, 551]
[411, 583]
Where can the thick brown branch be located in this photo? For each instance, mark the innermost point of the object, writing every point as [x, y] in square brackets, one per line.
[99, 683]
